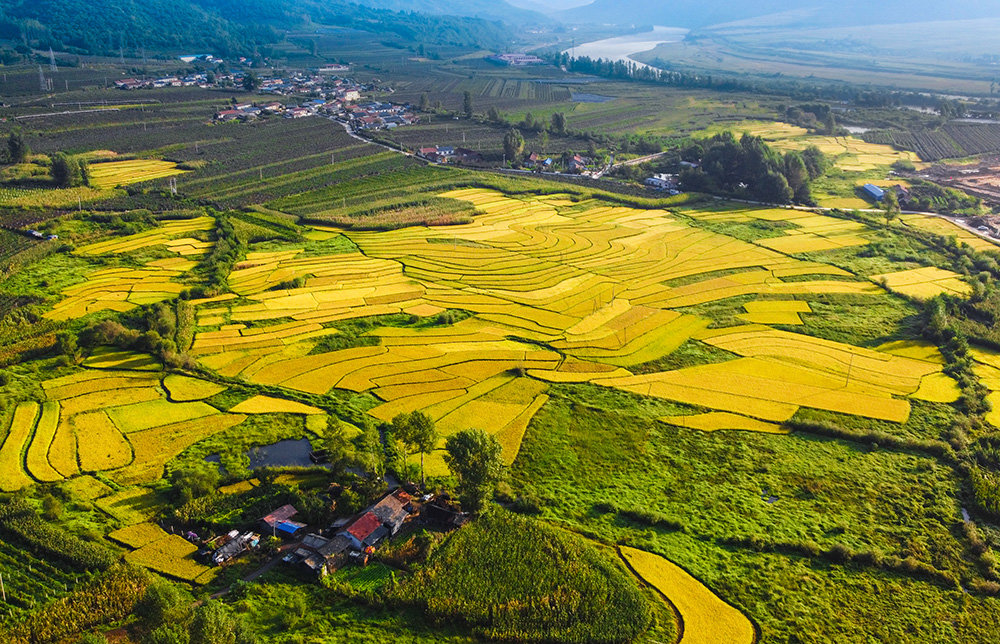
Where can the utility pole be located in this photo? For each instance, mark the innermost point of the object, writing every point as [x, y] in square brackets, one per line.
[3, 591]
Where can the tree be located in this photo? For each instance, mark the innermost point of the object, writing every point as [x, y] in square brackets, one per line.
[214, 623]
[890, 206]
[559, 123]
[797, 175]
[513, 145]
[467, 104]
[416, 430]
[191, 483]
[494, 114]
[160, 604]
[425, 103]
[65, 171]
[17, 147]
[474, 457]
[250, 82]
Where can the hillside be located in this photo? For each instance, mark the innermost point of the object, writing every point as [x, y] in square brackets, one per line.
[692, 14]
[221, 26]
[486, 9]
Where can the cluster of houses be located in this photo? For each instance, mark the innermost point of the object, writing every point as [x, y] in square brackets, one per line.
[664, 182]
[39, 235]
[515, 60]
[351, 539]
[377, 115]
[191, 80]
[448, 154]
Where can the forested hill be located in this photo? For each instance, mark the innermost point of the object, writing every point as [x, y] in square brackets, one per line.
[223, 27]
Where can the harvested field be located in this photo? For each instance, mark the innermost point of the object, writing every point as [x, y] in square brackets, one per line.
[110, 174]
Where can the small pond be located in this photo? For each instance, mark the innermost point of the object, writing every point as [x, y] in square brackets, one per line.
[281, 454]
[583, 97]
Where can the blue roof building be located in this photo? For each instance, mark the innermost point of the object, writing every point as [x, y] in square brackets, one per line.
[873, 191]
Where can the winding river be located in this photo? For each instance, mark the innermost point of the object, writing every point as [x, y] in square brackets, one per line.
[623, 47]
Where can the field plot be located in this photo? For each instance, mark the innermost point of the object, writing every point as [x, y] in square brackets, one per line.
[851, 154]
[812, 231]
[167, 554]
[12, 475]
[110, 174]
[112, 421]
[781, 371]
[705, 618]
[122, 289]
[716, 420]
[172, 234]
[942, 226]
[775, 312]
[925, 283]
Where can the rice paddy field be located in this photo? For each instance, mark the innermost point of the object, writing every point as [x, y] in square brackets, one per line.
[651, 370]
[111, 174]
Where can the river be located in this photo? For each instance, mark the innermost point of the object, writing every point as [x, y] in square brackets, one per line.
[623, 47]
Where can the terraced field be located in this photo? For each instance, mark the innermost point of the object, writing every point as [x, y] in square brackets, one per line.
[563, 291]
[103, 421]
[110, 174]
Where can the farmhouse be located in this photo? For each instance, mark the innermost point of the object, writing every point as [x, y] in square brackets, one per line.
[321, 555]
[392, 510]
[662, 182]
[873, 191]
[279, 522]
[364, 532]
[233, 545]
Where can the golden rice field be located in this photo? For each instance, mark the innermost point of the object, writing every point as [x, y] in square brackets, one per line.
[122, 289]
[851, 154]
[269, 405]
[117, 422]
[942, 226]
[717, 420]
[588, 279]
[924, 283]
[110, 174]
[704, 617]
[167, 554]
[175, 235]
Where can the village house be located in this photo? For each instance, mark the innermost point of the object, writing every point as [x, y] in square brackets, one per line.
[279, 522]
[577, 164]
[662, 182]
[364, 532]
[233, 545]
[321, 555]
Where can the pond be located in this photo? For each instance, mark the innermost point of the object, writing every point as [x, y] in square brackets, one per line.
[281, 454]
[583, 97]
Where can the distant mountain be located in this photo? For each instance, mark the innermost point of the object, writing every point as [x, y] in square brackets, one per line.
[548, 6]
[815, 13]
[223, 27]
[486, 9]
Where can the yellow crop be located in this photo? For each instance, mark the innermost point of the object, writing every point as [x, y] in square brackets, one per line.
[12, 476]
[705, 618]
[268, 405]
[185, 389]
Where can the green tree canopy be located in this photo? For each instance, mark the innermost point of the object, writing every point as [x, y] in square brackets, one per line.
[17, 147]
[467, 104]
[513, 145]
[474, 457]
